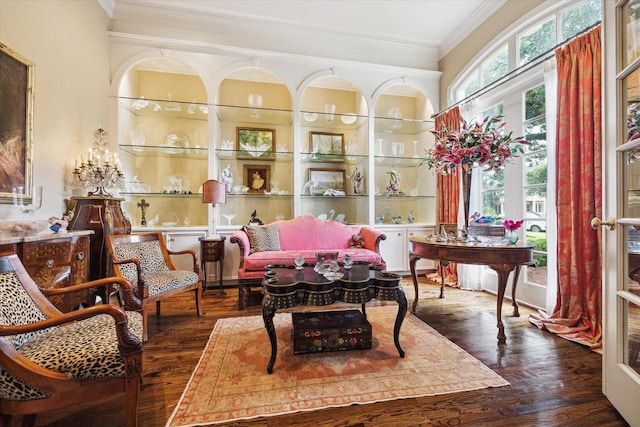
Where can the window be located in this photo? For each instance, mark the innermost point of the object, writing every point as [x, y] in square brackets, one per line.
[495, 66]
[535, 180]
[536, 41]
[531, 42]
[493, 182]
[521, 189]
[578, 18]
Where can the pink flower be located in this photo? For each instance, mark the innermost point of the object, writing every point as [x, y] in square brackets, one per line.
[511, 225]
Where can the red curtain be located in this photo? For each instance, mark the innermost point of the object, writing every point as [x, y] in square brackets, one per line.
[448, 191]
[578, 312]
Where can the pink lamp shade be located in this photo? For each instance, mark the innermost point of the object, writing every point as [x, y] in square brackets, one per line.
[214, 192]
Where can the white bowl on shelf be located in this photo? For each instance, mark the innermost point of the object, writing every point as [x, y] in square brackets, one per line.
[310, 117]
[348, 118]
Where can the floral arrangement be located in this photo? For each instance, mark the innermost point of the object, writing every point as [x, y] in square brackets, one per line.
[482, 144]
[511, 225]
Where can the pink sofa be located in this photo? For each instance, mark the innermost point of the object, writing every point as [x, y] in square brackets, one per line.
[303, 236]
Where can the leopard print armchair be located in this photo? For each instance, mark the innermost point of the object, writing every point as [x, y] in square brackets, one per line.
[144, 260]
[50, 360]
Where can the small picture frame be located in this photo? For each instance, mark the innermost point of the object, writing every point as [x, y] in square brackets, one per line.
[325, 179]
[326, 147]
[257, 178]
[449, 229]
[255, 143]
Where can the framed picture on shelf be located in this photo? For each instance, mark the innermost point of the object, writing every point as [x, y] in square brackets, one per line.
[255, 143]
[16, 123]
[325, 179]
[449, 229]
[326, 147]
[257, 178]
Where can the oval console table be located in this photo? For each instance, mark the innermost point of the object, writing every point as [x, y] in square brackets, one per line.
[503, 259]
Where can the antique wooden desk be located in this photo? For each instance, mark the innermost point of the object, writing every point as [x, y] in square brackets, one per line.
[502, 259]
[55, 261]
[284, 287]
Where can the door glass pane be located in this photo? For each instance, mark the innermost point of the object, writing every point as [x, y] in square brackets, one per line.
[631, 168]
[633, 336]
[631, 37]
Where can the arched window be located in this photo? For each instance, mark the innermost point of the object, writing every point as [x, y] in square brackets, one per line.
[514, 87]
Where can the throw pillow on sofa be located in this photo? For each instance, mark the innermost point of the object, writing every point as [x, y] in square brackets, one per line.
[263, 238]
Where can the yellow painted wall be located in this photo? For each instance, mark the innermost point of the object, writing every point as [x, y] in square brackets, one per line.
[68, 43]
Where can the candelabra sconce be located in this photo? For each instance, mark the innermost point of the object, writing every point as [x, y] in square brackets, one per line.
[102, 169]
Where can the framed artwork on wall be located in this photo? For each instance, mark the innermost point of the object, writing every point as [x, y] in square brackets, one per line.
[16, 123]
[326, 147]
[257, 178]
[255, 143]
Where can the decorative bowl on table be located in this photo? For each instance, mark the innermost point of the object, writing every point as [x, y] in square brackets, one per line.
[19, 228]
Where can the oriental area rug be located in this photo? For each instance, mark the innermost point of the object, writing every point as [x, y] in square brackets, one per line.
[231, 382]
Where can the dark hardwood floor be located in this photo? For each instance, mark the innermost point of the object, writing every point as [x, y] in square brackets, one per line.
[554, 382]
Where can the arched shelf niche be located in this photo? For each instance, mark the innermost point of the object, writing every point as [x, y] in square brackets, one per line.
[402, 132]
[254, 145]
[334, 149]
[162, 116]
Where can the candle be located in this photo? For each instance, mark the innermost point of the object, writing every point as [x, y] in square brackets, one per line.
[90, 154]
[76, 163]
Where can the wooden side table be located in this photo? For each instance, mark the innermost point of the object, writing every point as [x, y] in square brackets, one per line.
[212, 250]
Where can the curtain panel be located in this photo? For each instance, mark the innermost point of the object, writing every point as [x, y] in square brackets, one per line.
[577, 315]
[448, 192]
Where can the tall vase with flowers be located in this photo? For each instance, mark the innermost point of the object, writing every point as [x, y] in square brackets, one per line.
[481, 144]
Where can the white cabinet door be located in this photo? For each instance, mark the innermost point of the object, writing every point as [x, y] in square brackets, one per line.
[394, 249]
[183, 240]
[422, 264]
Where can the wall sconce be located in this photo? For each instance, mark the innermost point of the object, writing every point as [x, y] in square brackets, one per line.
[214, 192]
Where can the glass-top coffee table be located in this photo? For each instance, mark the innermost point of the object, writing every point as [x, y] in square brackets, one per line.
[284, 287]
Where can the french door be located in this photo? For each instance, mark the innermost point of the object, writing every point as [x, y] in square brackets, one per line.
[621, 207]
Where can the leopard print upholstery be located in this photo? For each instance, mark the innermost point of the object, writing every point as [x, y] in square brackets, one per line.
[150, 255]
[22, 309]
[87, 349]
[156, 272]
[263, 237]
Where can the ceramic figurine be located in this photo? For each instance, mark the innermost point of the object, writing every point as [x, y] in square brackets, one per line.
[227, 177]
[356, 180]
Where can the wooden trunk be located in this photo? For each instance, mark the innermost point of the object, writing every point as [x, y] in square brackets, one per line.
[330, 331]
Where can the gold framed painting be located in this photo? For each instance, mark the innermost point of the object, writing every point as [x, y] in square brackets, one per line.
[326, 146]
[255, 143]
[16, 123]
[257, 178]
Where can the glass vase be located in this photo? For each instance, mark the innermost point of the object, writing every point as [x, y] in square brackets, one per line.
[511, 237]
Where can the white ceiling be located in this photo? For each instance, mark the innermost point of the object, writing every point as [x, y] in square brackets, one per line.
[330, 28]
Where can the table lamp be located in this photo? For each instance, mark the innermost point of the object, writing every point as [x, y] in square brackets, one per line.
[214, 192]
